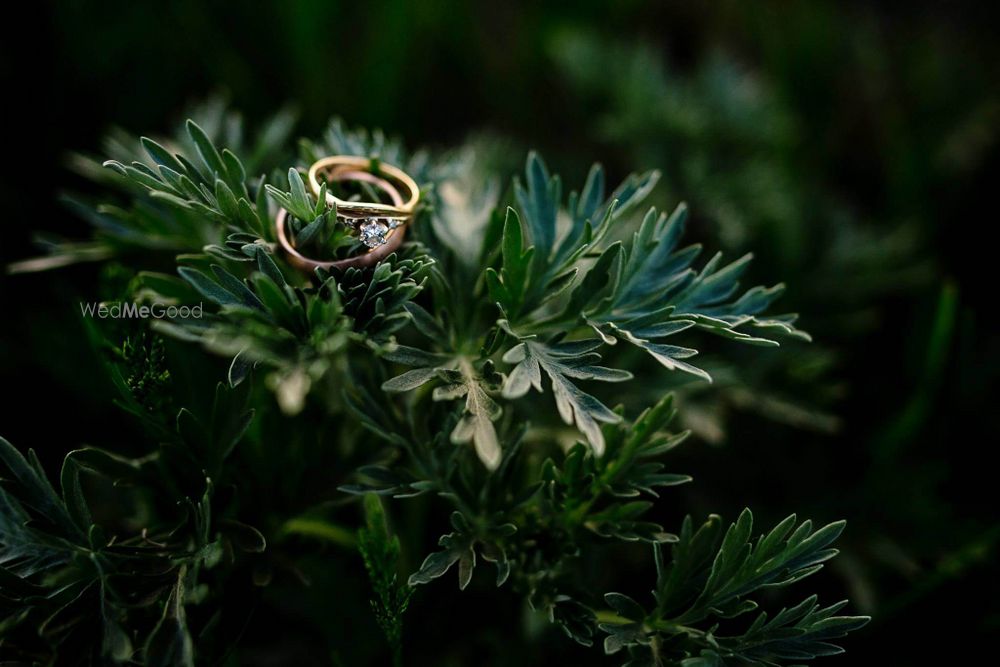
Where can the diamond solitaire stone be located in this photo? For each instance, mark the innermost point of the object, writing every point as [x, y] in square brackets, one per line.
[372, 232]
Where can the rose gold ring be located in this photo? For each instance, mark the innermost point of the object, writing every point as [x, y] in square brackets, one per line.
[381, 233]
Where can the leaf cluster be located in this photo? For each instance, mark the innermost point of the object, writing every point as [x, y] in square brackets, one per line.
[113, 589]
[713, 576]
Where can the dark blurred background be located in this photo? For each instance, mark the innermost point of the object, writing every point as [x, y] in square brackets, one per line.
[852, 146]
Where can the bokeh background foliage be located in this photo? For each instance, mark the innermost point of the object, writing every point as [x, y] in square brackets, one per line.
[851, 147]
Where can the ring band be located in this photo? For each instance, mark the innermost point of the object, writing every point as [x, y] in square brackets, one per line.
[338, 164]
[382, 233]
[303, 263]
[368, 177]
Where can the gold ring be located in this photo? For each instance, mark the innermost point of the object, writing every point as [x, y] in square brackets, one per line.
[336, 164]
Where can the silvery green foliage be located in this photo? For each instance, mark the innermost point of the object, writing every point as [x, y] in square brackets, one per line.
[715, 575]
[472, 365]
[557, 291]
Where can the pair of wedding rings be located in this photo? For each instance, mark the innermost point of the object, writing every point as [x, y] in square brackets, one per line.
[379, 226]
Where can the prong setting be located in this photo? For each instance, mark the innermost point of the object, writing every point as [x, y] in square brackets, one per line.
[372, 231]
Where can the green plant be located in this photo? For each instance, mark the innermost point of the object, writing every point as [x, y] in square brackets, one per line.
[407, 380]
[380, 550]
